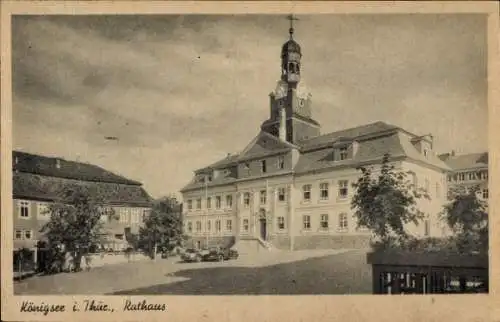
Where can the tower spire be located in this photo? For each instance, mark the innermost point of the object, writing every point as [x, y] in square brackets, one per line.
[291, 17]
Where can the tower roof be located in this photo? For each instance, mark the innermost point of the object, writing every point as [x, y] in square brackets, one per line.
[291, 46]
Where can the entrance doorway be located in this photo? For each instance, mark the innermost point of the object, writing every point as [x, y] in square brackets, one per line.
[263, 226]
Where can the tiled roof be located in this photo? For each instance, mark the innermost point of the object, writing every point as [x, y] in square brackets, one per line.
[351, 133]
[39, 187]
[466, 161]
[368, 150]
[374, 140]
[57, 167]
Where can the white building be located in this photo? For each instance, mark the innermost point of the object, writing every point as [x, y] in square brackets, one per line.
[291, 186]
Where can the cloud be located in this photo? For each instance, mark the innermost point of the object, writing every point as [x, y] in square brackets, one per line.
[182, 91]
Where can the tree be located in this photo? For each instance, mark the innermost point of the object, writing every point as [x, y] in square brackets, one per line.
[163, 227]
[75, 224]
[386, 203]
[467, 217]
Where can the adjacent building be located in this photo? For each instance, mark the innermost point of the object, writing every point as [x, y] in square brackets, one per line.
[291, 186]
[38, 180]
[467, 171]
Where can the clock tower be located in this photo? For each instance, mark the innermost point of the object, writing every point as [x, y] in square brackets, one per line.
[290, 103]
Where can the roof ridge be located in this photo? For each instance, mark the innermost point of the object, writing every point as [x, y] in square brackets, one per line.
[351, 128]
[104, 176]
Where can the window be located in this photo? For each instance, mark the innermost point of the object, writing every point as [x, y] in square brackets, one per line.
[485, 193]
[427, 227]
[438, 190]
[281, 162]
[484, 175]
[190, 227]
[343, 153]
[263, 197]
[145, 214]
[28, 234]
[471, 176]
[427, 185]
[245, 224]
[217, 202]
[246, 199]
[306, 192]
[281, 194]
[343, 188]
[209, 225]
[323, 224]
[306, 220]
[123, 215]
[343, 223]
[23, 234]
[461, 176]
[190, 204]
[198, 203]
[263, 167]
[209, 178]
[134, 218]
[209, 203]
[217, 225]
[198, 226]
[229, 225]
[425, 152]
[449, 178]
[43, 211]
[24, 209]
[323, 188]
[281, 223]
[229, 201]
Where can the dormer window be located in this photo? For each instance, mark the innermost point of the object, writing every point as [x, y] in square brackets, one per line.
[281, 162]
[343, 153]
[426, 153]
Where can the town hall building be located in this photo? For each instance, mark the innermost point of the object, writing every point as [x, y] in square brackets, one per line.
[291, 186]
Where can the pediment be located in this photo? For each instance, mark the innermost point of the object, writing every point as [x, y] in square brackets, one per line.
[264, 143]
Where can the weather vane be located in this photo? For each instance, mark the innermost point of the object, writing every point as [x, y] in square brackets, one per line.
[291, 17]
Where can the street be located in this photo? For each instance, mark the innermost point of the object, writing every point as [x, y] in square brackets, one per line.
[299, 272]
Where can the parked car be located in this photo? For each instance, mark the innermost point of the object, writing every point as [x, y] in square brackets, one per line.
[191, 255]
[219, 254]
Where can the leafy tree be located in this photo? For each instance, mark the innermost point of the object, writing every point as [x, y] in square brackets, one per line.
[75, 224]
[163, 227]
[385, 202]
[467, 217]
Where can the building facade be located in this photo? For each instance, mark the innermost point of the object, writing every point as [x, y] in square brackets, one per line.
[468, 171]
[37, 181]
[291, 186]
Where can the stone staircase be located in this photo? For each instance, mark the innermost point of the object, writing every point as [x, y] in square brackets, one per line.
[251, 245]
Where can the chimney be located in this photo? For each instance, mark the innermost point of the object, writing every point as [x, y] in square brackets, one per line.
[58, 164]
[282, 125]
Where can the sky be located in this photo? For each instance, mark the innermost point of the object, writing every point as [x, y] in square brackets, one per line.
[181, 92]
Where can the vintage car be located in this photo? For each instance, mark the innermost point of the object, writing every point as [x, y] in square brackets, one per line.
[219, 254]
[191, 255]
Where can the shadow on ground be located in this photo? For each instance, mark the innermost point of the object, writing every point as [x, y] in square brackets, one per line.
[345, 273]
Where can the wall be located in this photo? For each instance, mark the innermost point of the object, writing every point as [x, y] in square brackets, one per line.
[438, 198]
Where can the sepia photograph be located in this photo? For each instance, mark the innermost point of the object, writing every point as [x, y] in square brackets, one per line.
[257, 154]
[252, 154]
